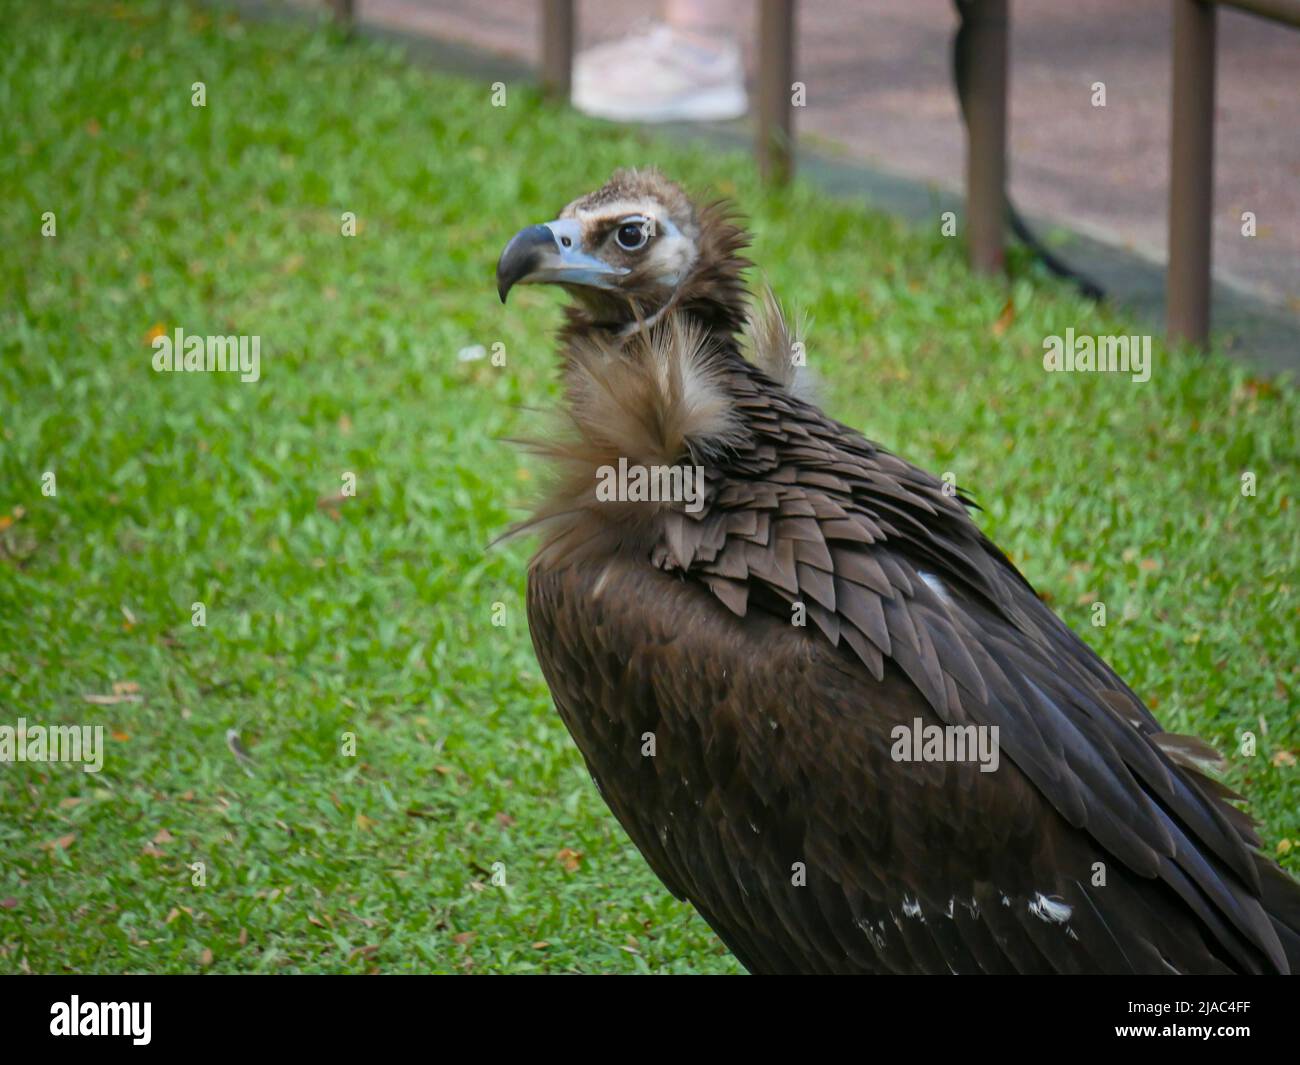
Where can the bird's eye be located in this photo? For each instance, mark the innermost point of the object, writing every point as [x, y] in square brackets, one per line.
[632, 235]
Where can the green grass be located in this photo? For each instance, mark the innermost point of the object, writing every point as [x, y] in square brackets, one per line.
[374, 615]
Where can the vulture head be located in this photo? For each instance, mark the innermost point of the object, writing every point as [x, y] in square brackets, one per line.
[633, 250]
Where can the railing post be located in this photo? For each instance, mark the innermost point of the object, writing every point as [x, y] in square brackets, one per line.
[986, 134]
[557, 48]
[775, 143]
[344, 12]
[1191, 173]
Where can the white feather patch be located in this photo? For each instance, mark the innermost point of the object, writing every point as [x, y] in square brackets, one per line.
[935, 585]
[1050, 909]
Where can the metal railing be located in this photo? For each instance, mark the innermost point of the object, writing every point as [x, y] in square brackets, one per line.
[1191, 156]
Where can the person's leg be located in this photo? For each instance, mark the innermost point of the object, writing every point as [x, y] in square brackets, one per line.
[715, 21]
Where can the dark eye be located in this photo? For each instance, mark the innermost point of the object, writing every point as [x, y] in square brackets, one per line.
[632, 235]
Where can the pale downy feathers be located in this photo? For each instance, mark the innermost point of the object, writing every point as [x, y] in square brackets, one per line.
[656, 398]
[769, 344]
[653, 399]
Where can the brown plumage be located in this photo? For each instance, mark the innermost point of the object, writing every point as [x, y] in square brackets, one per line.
[754, 760]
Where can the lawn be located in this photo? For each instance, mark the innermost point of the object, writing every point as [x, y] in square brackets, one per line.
[463, 834]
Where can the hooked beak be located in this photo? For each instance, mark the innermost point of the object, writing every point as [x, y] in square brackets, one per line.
[551, 254]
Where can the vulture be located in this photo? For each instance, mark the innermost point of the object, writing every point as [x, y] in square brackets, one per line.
[828, 711]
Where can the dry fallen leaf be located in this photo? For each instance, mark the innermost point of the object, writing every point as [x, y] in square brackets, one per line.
[62, 843]
[110, 700]
[163, 836]
[1005, 319]
[205, 959]
[569, 858]
[1283, 758]
[330, 504]
[237, 749]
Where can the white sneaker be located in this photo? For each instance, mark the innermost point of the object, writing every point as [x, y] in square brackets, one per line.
[661, 75]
